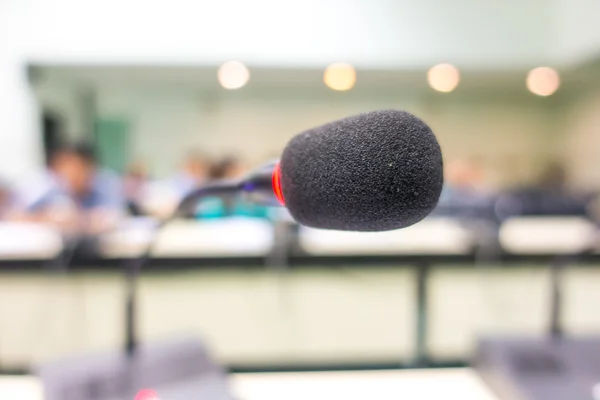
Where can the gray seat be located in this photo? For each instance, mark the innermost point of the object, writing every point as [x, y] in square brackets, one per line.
[176, 370]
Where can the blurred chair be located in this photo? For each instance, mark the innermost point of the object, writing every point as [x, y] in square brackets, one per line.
[434, 235]
[29, 241]
[179, 369]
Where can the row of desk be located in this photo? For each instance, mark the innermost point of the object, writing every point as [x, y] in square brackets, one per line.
[254, 242]
[245, 243]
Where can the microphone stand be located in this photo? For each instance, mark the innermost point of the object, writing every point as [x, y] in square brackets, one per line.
[557, 268]
[257, 182]
[134, 266]
[132, 273]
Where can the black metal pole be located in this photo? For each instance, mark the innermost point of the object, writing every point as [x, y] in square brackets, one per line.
[132, 273]
[556, 297]
[421, 331]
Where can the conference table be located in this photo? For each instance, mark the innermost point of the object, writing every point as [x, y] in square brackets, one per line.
[419, 384]
[245, 241]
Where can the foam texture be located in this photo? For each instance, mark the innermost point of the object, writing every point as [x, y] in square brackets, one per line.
[375, 171]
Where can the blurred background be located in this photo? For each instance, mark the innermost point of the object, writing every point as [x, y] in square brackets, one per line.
[112, 111]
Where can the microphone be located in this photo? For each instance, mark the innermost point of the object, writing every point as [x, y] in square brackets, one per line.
[375, 171]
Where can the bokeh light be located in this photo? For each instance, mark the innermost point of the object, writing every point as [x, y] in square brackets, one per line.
[233, 75]
[543, 81]
[443, 77]
[340, 76]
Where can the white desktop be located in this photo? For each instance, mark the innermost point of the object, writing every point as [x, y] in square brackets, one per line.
[424, 384]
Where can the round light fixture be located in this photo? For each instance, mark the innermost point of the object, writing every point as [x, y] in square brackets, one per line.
[233, 75]
[340, 76]
[543, 81]
[443, 77]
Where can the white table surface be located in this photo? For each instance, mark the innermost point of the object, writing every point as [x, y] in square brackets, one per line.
[380, 385]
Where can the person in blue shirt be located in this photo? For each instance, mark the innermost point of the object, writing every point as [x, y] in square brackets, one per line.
[74, 193]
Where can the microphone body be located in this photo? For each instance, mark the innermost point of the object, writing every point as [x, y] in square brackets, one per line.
[375, 171]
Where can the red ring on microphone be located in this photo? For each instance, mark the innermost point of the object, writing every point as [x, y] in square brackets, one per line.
[276, 181]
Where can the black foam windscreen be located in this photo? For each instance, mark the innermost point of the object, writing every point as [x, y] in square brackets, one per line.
[375, 171]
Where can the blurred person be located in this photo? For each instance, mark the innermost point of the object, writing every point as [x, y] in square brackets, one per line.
[465, 175]
[161, 197]
[553, 178]
[6, 200]
[228, 168]
[231, 206]
[74, 194]
[464, 193]
[134, 185]
[195, 172]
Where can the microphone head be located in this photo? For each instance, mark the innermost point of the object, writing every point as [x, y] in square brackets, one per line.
[375, 171]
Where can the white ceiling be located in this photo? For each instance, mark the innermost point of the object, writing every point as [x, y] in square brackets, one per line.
[476, 34]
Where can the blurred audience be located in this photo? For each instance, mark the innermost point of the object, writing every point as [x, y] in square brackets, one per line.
[74, 194]
[81, 198]
[548, 196]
